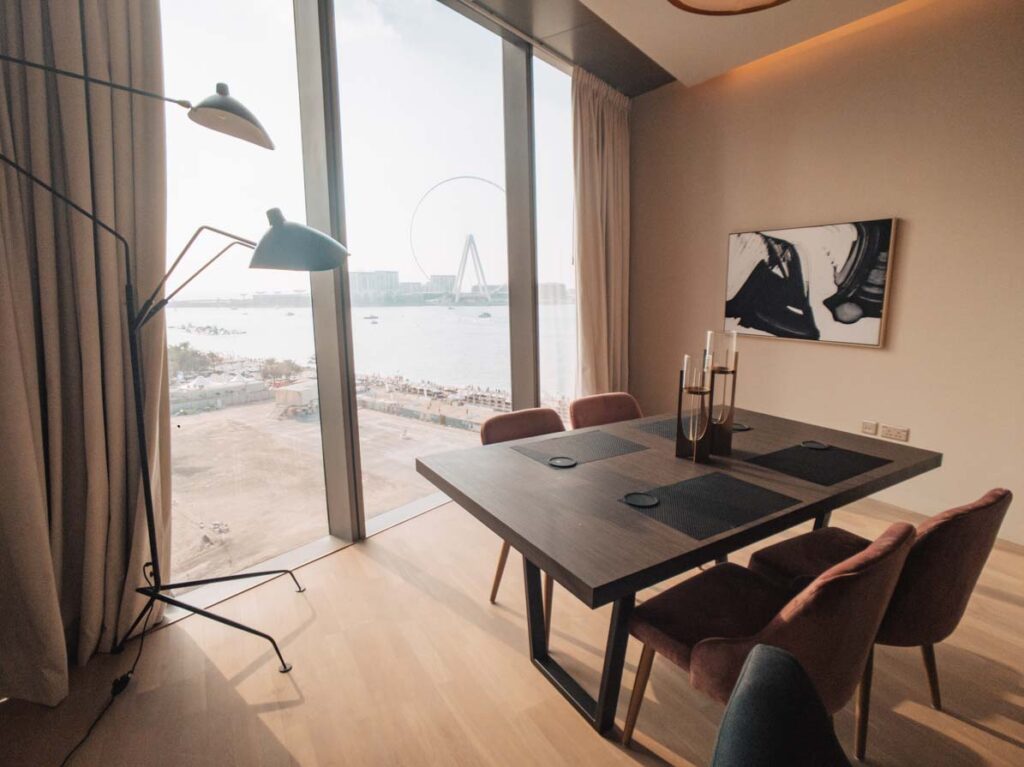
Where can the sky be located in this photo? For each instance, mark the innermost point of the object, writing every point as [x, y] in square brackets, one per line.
[420, 103]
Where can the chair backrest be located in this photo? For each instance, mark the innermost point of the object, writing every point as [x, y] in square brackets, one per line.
[943, 566]
[599, 409]
[775, 717]
[829, 627]
[519, 424]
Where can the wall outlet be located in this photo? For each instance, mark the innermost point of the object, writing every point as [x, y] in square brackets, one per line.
[869, 427]
[898, 433]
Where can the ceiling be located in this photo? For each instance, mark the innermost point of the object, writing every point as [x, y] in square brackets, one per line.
[572, 30]
[694, 48]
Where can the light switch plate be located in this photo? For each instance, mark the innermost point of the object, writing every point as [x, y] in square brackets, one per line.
[869, 427]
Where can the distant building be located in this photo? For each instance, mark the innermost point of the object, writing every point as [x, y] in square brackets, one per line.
[441, 283]
[374, 283]
[552, 293]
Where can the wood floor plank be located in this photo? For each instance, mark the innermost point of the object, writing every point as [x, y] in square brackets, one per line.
[399, 659]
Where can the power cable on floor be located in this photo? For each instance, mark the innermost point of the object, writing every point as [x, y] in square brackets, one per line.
[120, 684]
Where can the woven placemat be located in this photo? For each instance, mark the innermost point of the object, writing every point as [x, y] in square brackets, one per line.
[666, 428]
[586, 447]
[822, 467]
[712, 504]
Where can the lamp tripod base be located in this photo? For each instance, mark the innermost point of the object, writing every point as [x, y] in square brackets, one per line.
[155, 594]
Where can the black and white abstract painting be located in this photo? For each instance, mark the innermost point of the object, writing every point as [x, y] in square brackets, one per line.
[815, 283]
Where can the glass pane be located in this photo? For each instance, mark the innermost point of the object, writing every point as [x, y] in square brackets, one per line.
[556, 270]
[422, 129]
[247, 466]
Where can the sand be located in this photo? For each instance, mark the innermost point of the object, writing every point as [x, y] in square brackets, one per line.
[248, 485]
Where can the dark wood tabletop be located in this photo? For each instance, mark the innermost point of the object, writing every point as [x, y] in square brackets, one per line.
[572, 524]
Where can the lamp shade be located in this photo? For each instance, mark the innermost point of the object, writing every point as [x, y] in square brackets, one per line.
[224, 113]
[725, 7]
[295, 247]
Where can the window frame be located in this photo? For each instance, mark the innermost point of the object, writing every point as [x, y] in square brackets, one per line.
[323, 163]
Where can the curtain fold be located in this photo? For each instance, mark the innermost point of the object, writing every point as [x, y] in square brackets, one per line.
[72, 520]
[601, 162]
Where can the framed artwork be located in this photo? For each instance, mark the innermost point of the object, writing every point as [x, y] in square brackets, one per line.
[813, 283]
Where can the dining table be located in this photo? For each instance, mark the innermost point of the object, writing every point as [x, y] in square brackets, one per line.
[561, 501]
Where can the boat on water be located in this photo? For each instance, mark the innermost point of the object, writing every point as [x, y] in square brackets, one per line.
[371, 317]
[484, 315]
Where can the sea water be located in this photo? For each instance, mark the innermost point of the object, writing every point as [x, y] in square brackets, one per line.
[449, 346]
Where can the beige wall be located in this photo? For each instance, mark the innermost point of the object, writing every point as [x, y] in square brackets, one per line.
[916, 113]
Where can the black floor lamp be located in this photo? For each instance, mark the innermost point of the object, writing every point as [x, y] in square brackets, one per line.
[286, 245]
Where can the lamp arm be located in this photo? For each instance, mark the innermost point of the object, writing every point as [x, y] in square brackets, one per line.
[148, 303]
[149, 312]
[60, 196]
[138, 386]
[94, 81]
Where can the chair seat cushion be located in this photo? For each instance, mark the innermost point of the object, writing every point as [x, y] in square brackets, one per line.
[725, 601]
[792, 564]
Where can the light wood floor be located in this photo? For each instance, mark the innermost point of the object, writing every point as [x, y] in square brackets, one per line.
[399, 659]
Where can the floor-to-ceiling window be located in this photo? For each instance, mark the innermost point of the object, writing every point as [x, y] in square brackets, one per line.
[424, 172]
[247, 466]
[423, 101]
[556, 271]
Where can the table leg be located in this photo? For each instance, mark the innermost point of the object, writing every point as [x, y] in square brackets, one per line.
[614, 661]
[601, 712]
[822, 520]
[534, 610]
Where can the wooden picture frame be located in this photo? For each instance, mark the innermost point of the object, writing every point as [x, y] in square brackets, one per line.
[827, 283]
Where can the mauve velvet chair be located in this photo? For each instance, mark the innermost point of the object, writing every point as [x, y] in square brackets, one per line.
[709, 623]
[599, 409]
[947, 557]
[520, 424]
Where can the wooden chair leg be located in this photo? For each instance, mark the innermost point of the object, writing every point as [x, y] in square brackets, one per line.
[502, 558]
[928, 651]
[863, 707]
[643, 673]
[549, 595]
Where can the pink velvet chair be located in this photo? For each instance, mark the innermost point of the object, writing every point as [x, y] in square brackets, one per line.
[520, 424]
[709, 623]
[947, 557]
[599, 409]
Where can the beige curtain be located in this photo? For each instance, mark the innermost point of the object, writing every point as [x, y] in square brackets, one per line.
[601, 158]
[72, 526]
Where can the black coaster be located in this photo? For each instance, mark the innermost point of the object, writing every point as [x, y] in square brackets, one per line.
[712, 504]
[737, 426]
[641, 500]
[562, 462]
[581, 448]
[822, 467]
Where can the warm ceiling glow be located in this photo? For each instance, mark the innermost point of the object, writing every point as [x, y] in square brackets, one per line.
[885, 16]
[725, 7]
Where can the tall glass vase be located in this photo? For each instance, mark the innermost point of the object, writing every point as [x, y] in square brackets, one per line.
[694, 409]
[722, 359]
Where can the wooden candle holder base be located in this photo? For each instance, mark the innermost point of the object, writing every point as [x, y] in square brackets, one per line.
[697, 450]
[721, 438]
[721, 428]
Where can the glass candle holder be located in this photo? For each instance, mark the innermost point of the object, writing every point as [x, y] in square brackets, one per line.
[720, 352]
[693, 418]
